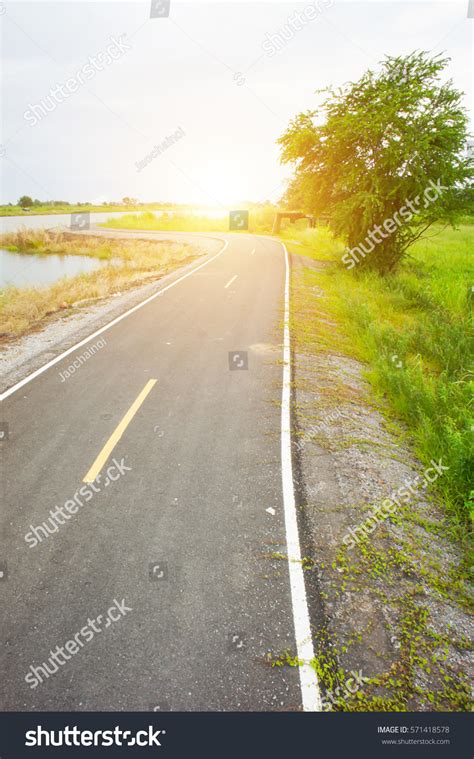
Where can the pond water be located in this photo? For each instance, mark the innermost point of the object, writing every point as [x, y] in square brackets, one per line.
[24, 270]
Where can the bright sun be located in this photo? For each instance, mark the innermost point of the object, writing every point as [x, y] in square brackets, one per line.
[223, 184]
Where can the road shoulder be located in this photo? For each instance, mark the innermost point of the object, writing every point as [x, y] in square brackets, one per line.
[390, 600]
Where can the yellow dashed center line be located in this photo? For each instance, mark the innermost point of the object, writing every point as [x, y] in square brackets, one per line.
[117, 433]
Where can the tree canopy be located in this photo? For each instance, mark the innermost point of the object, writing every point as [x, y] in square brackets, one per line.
[388, 152]
[25, 201]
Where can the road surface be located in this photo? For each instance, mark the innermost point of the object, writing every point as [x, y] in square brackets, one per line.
[162, 584]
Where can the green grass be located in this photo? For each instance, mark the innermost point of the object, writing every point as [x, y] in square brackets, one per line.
[260, 222]
[413, 330]
[315, 243]
[167, 222]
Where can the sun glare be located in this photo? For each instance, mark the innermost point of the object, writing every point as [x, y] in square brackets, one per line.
[224, 186]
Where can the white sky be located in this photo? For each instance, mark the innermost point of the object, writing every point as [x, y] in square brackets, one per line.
[184, 71]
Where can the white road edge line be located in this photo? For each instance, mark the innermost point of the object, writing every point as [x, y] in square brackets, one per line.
[118, 319]
[310, 692]
[230, 281]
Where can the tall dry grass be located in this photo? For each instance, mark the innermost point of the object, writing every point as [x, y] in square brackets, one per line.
[131, 262]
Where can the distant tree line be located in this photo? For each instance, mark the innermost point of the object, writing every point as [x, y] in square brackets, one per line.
[27, 202]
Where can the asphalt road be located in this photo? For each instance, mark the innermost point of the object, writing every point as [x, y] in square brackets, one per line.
[180, 542]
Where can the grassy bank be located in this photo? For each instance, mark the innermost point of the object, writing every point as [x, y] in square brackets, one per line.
[413, 330]
[260, 222]
[44, 242]
[134, 262]
[54, 208]
[395, 606]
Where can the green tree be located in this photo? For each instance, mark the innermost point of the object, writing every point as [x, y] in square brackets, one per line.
[25, 201]
[384, 157]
